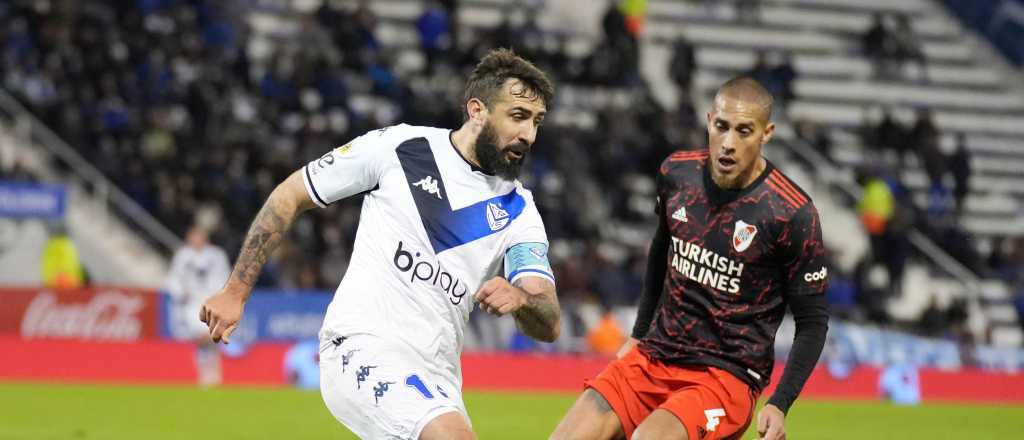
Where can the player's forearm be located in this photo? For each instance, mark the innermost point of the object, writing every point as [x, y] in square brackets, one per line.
[539, 317]
[811, 316]
[654, 280]
[265, 234]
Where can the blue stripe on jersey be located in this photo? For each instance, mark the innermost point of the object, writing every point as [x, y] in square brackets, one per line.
[449, 228]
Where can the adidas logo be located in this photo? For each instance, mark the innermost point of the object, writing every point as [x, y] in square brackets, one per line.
[680, 214]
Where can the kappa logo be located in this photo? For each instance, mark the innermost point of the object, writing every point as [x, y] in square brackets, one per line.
[362, 373]
[429, 184]
[816, 276]
[379, 390]
[680, 214]
[497, 218]
[346, 358]
[743, 235]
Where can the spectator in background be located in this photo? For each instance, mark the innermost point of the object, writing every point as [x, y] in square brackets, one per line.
[198, 270]
[907, 47]
[878, 44]
[934, 320]
[434, 27]
[635, 13]
[876, 208]
[783, 75]
[960, 167]
[1007, 260]
[615, 62]
[896, 249]
[60, 265]
[682, 65]
[890, 135]
[924, 140]
[873, 40]
[606, 337]
[776, 72]
[761, 71]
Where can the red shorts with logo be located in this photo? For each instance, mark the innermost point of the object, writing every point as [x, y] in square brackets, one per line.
[711, 403]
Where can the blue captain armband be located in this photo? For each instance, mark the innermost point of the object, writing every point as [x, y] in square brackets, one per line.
[527, 259]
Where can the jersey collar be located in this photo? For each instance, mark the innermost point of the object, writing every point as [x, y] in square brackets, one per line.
[471, 165]
[718, 195]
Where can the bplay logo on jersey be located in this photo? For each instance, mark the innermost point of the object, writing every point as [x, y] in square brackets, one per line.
[431, 273]
[497, 218]
[816, 276]
[429, 184]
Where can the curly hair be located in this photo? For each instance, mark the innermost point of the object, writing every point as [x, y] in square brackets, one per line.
[497, 67]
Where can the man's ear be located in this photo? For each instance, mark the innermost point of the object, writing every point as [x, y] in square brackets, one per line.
[477, 111]
[769, 130]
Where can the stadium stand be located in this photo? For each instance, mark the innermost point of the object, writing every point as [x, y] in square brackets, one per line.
[195, 109]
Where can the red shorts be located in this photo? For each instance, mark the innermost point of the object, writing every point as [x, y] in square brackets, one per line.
[711, 403]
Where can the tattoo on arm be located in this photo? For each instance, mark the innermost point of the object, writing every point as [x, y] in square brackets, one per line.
[539, 317]
[264, 235]
[598, 400]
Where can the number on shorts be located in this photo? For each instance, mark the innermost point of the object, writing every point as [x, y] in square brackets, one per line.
[713, 415]
[414, 381]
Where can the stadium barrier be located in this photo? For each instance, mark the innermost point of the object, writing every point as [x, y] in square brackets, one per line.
[96, 313]
[271, 316]
[113, 334]
[263, 364]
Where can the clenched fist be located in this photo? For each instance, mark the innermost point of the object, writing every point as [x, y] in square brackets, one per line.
[498, 297]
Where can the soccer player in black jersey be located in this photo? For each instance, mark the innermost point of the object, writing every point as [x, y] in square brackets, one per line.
[737, 243]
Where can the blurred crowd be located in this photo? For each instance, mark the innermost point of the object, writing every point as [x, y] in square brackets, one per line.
[196, 119]
[172, 100]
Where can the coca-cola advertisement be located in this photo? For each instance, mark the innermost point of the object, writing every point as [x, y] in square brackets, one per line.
[100, 313]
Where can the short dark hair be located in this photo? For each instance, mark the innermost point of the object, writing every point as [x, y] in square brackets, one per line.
[748, 89]
[498, 66]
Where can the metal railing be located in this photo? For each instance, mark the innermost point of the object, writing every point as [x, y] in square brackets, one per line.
[86, 175]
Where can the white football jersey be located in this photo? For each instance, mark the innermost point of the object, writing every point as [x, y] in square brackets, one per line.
[195, 275]
[433, 228]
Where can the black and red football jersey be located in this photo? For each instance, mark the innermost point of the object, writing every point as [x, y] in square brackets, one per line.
[734, 258]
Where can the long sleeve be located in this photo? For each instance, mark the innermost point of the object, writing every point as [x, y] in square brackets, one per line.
[654, 280]
[805, 296]
[811, 316]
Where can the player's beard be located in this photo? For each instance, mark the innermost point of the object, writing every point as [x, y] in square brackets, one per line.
[492, 158]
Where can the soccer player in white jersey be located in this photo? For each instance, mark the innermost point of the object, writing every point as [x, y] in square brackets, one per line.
[443, 213]
[197, 271]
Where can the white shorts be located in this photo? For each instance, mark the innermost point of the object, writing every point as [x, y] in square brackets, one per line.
[380, 389]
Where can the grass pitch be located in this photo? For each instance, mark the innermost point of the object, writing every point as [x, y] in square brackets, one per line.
[83, 412]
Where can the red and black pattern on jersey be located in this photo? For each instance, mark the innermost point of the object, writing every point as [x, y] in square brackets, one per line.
[734, 258]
